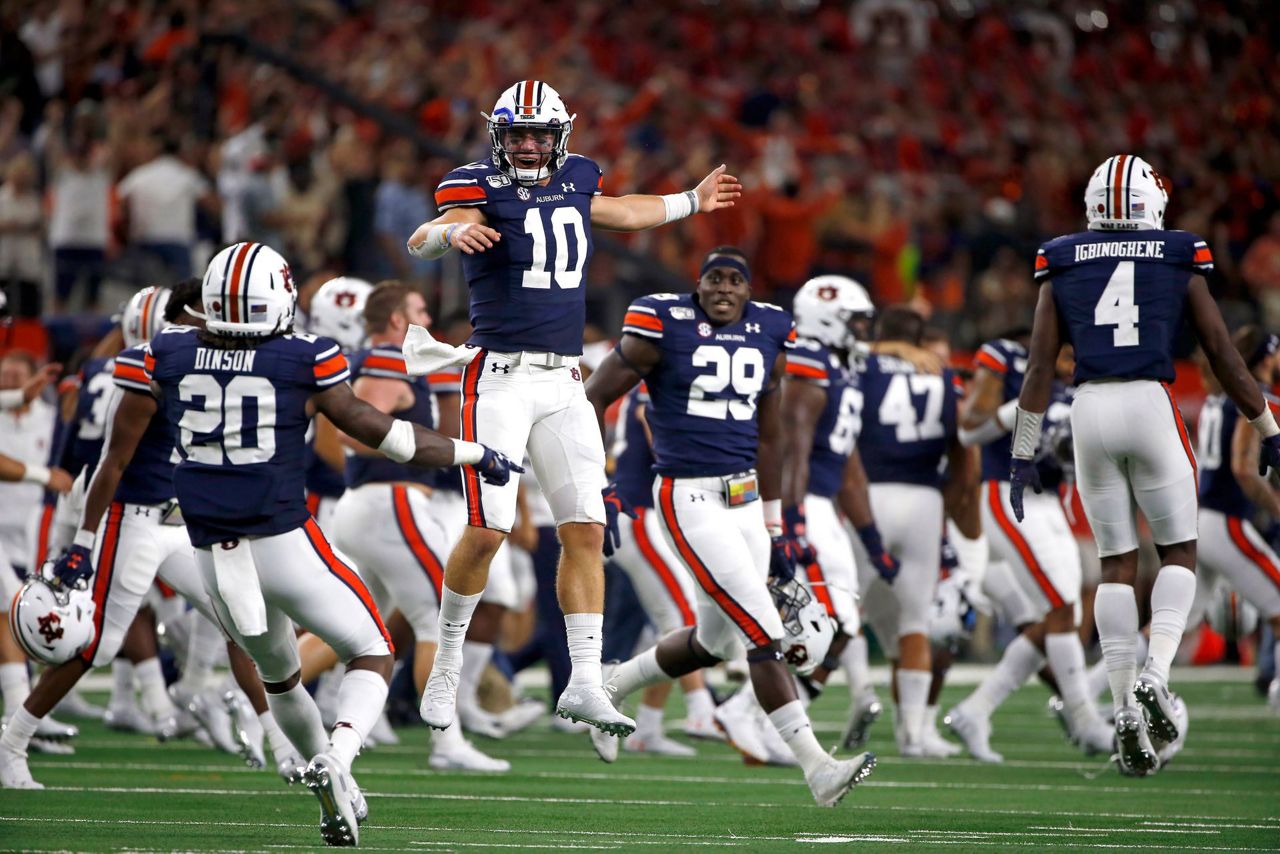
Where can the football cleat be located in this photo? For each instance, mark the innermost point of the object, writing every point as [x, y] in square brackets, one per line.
[127, 718]
[605, 745]
[54, 730]
[291, 767]
[358, 804]
[1093, 735]
[704, 728]
[333, 787]
[1134, 755]
[479, 722]
[568, 727]
[832, 780]
[1166, 750]
[211, 713]
[14, 773]
[933, 745]
[462, 755]
[440, 697]
[742, 728]
[246, 731]
[975, 732]
[591, 704]
[1153, 694]
[50, 748]
[866, 709]
[522, 715]
[1058, 709]
[76, 706]
[657, 744]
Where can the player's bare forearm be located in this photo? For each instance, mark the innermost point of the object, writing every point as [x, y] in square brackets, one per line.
[128, 425]
[1224, 360]
[855, 494]
[983, 400]
[637, 212]
[802, 403]
[769, 454]
[328, 444]
[1245, 446]
[1042, 354]
[369, 426]
[11, 471]
[958, 489]
[618, 373]
[450, 407]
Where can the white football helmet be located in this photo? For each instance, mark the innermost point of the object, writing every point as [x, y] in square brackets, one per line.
[808, 629]
[337, 311]
[1125, 194]
[248, 292]
[951, 616]
[534, 105]
[51, 624]
[824, 307]
[143, 315]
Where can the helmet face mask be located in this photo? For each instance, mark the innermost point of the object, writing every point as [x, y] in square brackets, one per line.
[529, 132]
[807, 630]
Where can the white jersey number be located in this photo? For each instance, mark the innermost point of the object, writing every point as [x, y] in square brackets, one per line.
[1116, 307]
[848, 423]
[225, 408]
[898, 408]
[743, 370]
[1210, 451]
[95, 422]
[563, 221]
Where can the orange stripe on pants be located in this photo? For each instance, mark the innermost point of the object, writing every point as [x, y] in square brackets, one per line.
[1255, 555]
[413, 539]
[1023, 547]
[346, 575]
[102, 581]
[661, 569]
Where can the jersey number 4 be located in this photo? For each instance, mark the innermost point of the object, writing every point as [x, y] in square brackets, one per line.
[564, 221]
[224, 409]
[1116, 307]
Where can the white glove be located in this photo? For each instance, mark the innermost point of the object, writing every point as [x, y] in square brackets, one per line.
[425, 355]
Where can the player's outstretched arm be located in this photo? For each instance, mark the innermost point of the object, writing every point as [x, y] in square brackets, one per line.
[802, 405]
[1246, 445]
[13, 471]
[628, 363]
[1224, 360]
[400, 440]
[637, 212]
[462, 228]
[128, 424]
[15, 398]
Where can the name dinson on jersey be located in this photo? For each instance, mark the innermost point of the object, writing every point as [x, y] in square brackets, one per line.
[1120, 249]
[224, 360]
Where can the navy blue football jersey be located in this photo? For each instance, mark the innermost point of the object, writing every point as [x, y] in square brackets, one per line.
[148, 479]
[703, 392]
[387, 362]
[83, 442]
[1219, 489]
[1121, 297]
[908, 421]
[528, 291]
[836, 432]
[242, 423]
[632, 456]
[1008, 358]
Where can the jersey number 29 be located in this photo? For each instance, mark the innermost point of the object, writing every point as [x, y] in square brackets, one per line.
[742, 370]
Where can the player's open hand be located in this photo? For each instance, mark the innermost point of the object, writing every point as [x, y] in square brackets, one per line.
[1270, 456]
[496, 467]
[717, 190]
[1022, 474]
[473, 237]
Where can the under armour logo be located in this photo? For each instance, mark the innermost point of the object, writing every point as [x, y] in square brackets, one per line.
[50, 627]
[753, 327]
[697, 496]
[139, 510]
[500, 368]
[568, 188]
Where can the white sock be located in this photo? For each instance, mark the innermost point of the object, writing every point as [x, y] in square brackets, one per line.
[854, 662]
[151, 688]
[585, 633]
[648, 720]
[1140, 648]
[698, 704]
[1066, 659]
[792, 723]
[931, 719]
[122, 693]
[636, 673]
[299, 719]
[204, 647]
[443, 739]
[276, 739]
[913, 696]
[15, 685]
[455, 617]
[1115, 611]
[1171, 598]
[361, 697]
[475, 658]
[18, 731]
[1020, 660]
[1097, 678]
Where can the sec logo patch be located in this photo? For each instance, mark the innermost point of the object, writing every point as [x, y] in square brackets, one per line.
[704, 329]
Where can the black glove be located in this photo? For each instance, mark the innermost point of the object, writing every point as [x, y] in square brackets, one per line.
[802, 550]
[614, 505]
[1270, 456]
[1024, 473]
[782, 563]
[74, 568]
[495, 467]
[885, 564]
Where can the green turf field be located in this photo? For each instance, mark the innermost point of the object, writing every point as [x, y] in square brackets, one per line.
[1221, 794]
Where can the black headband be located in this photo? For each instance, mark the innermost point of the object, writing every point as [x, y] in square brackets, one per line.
[733, 262]
[1266, 347]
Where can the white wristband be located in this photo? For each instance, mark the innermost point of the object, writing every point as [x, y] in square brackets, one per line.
[85, 538]
[1026, 434]
[1007, 415]
[12, 398]
[399, 444]
[1265, 423]
[679, 205]
[437, 242]
[466, 453]
[773, 516]
[36, 474]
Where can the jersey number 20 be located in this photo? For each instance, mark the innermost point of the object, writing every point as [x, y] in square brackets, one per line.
[225, 408]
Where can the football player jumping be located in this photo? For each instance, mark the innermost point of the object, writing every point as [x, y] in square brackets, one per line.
[1119, 292]
[713, 362]
[523, 221]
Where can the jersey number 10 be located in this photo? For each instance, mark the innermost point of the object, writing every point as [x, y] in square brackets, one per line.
[563, 221]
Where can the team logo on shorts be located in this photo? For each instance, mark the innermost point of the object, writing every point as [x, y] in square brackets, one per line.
[523, 193]
[577, 376]
[498, 181]
[704, 329]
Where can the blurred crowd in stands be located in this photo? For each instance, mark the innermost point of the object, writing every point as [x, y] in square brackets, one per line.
[924, 146]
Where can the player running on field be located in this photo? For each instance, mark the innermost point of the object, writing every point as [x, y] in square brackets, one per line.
[713, 362]
[524, 220]
[1119, 293]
